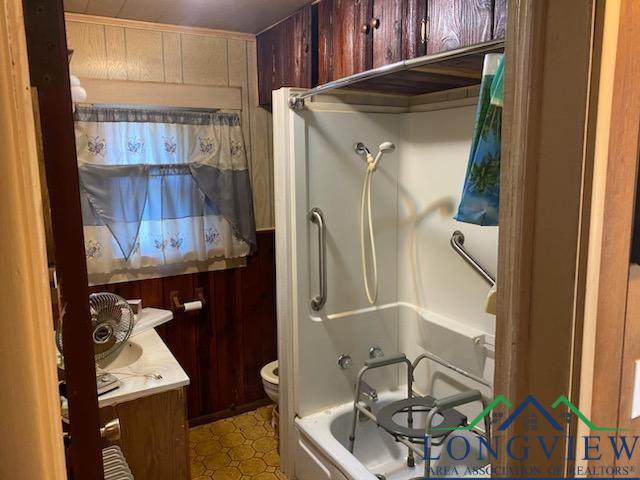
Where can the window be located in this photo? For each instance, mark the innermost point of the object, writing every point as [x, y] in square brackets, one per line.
[162, 187]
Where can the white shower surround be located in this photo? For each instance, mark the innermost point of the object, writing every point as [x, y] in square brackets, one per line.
[428, 297]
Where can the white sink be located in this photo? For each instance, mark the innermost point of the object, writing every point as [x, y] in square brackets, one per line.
[129, 354]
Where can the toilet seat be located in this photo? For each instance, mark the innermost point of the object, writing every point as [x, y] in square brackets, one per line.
[450, 418]
[269, 373]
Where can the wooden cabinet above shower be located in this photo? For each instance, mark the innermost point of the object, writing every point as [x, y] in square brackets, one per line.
[356, 35]
[333, 39]
[285, 54]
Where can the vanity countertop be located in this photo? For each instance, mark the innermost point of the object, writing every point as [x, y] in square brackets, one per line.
[156, 370]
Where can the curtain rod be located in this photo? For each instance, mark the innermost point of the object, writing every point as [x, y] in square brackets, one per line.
[296, 101]
[161, 108]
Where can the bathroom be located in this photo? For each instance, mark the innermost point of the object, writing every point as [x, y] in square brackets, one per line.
[285, 217]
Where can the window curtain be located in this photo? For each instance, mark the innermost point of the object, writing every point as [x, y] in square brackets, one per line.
[162, 187]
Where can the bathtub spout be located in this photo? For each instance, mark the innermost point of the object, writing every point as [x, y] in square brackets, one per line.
[369, 392]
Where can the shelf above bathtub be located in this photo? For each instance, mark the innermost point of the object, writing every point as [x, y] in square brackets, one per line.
[423, 75]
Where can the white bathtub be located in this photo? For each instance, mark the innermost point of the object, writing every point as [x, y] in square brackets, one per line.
[322, 449]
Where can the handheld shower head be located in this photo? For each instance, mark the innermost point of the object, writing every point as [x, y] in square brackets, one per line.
[385, 147]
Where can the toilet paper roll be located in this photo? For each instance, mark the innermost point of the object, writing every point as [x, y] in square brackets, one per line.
[190, 306]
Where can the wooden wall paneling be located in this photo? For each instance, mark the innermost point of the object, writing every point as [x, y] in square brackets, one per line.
[204, 60]
[387, 36]
[172, 57]
[499, 19]
[222, 316]
[89, 49]
[181, 336]
[154, 436]
[239, 77]
[261, 149]
[325, 41]
[151, 292]
[207, 350]
[297, 49]
[458, 23]
[144, 55]
[266, 65]
[258, 313]
[164, 94]
[116, 50]
[413, 15]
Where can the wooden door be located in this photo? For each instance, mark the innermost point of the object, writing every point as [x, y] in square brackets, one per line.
[457, 23]
[345, 40]
[386, 26]
[49, 69]
[414, 24]
[499, 19]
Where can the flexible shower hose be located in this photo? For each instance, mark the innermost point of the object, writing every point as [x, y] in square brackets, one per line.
[366, 199]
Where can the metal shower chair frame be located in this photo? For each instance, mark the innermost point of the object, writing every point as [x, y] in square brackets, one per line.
[439, 406]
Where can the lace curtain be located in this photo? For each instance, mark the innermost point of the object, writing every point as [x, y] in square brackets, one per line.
[162, 187]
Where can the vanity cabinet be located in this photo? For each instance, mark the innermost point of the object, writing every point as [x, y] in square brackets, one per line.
[154, 435]
[285, 54]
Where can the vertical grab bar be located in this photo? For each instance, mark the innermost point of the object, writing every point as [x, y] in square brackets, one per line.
[316, 216]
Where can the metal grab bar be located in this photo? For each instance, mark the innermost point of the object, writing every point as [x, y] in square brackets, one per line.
[457, 242]
[316, 216]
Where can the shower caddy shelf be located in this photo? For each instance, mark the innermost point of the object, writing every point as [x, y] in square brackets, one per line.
[461, 67]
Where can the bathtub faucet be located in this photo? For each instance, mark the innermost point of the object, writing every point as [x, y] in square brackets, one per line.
[369, 392]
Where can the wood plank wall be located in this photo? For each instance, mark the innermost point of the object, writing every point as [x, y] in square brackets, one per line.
[139, 51]
[223, 346]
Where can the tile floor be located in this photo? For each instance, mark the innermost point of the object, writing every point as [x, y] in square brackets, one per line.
[238, 448]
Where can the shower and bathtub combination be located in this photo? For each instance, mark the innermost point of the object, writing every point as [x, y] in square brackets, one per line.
[380, 320]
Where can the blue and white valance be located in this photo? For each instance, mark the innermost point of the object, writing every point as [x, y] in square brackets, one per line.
[162, 187]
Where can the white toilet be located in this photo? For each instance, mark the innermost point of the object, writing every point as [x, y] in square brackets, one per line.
[271, 385]
[270, 381]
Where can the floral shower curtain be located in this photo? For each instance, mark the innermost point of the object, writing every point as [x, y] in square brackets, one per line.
[162, 187]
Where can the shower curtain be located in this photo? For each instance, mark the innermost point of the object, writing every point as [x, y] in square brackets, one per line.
[481, 192]
[162, 187]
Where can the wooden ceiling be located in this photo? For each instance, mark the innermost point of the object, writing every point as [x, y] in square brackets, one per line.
[249, 16]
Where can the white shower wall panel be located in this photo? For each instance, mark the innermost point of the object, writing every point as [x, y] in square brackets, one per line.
[335, 177]
[431, 275]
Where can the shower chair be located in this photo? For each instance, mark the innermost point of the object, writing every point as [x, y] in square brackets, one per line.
[414, 403]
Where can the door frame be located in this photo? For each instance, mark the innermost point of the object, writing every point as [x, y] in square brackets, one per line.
[553, 57]
[49, 70]
[30, 422]
[614, 285]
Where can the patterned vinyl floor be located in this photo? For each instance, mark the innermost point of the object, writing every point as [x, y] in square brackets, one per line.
[243, 447]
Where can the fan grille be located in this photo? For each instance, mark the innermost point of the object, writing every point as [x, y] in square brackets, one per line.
[112, 321]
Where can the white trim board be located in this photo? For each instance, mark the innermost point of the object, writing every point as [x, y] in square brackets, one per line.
[125, 92]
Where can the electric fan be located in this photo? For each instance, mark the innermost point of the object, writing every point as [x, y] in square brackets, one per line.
[112, 321]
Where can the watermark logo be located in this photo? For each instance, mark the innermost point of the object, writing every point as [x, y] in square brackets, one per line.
[468, 449]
